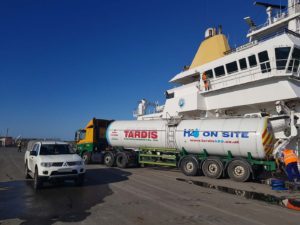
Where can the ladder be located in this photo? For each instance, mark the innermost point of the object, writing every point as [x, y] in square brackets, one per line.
[171, 143]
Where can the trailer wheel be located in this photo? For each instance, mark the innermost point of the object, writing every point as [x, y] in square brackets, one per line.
[109, 159]
[189, 166]
[212, 168]
[239, 170]
[121, 160]
[86, 157]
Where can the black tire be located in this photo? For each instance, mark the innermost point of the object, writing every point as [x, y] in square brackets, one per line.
[239, 170]
[109, 159]
[80, 180]
[86, 156]
[37, 184]
[189, 166]
[26, 171]
[121, 160]
[212, 168]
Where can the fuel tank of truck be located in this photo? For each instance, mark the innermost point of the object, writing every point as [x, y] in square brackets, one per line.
[216, 136]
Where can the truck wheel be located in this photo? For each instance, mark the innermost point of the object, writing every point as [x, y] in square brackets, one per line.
[86, 157]
[121, 160]
[189, 166]
[239, 170]
[26, 171]
[37, 180]
[109, 159]
[212, 168]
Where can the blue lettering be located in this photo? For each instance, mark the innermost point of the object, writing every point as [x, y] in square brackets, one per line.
[186, 133]
[245, 134]
[225, 134]
[236, 134]
[206, 133]
[214, 134]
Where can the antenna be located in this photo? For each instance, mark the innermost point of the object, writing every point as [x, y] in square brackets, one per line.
[250, 22]
[269, 7]
[266, 5]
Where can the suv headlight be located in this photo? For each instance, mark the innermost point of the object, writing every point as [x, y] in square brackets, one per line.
[46, 164]
[79, 163]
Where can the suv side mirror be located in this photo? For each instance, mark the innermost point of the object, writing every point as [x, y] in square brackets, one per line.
[33, 153]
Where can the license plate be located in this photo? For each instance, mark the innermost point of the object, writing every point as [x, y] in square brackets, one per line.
[65, 170]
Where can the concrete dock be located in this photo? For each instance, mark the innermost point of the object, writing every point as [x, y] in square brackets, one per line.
[134, 196]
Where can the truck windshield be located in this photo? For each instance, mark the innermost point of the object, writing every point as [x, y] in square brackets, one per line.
[80, 135]
[56, 150]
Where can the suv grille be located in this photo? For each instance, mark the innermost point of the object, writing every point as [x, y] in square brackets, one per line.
[57, 164]
[71, 163]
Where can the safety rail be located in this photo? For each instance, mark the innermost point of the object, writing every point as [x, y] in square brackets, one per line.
[261, 40]
[264, 70]
[280, 16]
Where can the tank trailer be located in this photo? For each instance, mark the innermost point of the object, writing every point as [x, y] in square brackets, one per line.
[240, 148]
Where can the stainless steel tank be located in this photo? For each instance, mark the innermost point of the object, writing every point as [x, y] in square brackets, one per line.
[216, 136]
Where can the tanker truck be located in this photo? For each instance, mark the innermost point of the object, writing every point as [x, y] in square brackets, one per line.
[240, 148]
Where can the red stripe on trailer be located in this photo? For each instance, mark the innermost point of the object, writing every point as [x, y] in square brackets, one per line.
[264, 133]
[268, 139]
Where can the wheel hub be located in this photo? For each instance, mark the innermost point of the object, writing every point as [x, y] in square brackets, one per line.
[212, 168]
[239, 171]
[189, 166]
[107, 159]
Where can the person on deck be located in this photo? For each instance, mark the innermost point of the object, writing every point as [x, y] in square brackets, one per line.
[205, 81]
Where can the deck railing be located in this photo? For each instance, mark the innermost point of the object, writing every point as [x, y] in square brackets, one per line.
[264, 70]
[282, 14]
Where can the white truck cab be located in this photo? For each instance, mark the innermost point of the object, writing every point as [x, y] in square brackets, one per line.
[52, 160]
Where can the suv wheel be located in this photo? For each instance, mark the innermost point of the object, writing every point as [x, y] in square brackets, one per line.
[37, 180]
[26, 171]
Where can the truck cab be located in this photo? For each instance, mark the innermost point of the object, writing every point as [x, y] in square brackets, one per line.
[91, 141]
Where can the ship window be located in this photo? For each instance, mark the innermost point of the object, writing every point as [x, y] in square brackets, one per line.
[169, 95]
[195, 78]
[294, 62]
[243, 64]
[219, 71]
[264, 62]
[282, 55]
[231, 67]
[209, 74]
[252, 61]
[263, 56]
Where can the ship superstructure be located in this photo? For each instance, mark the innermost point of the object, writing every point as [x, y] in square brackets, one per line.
[259, 78]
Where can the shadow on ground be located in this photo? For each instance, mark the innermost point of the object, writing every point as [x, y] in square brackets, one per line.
[64, 202]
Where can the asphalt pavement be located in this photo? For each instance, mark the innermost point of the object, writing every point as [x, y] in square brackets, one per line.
[128, 196]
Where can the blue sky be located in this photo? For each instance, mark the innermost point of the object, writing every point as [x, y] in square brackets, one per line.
[63, 62]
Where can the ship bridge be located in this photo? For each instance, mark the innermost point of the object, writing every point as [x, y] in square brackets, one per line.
[248, 79]
[254, 73]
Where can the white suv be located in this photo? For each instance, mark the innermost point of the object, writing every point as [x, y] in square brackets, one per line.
[52, 160]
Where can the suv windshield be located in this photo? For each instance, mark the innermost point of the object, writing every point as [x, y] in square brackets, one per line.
[55, 150]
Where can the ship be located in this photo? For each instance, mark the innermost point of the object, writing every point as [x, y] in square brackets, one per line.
[257, 79]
